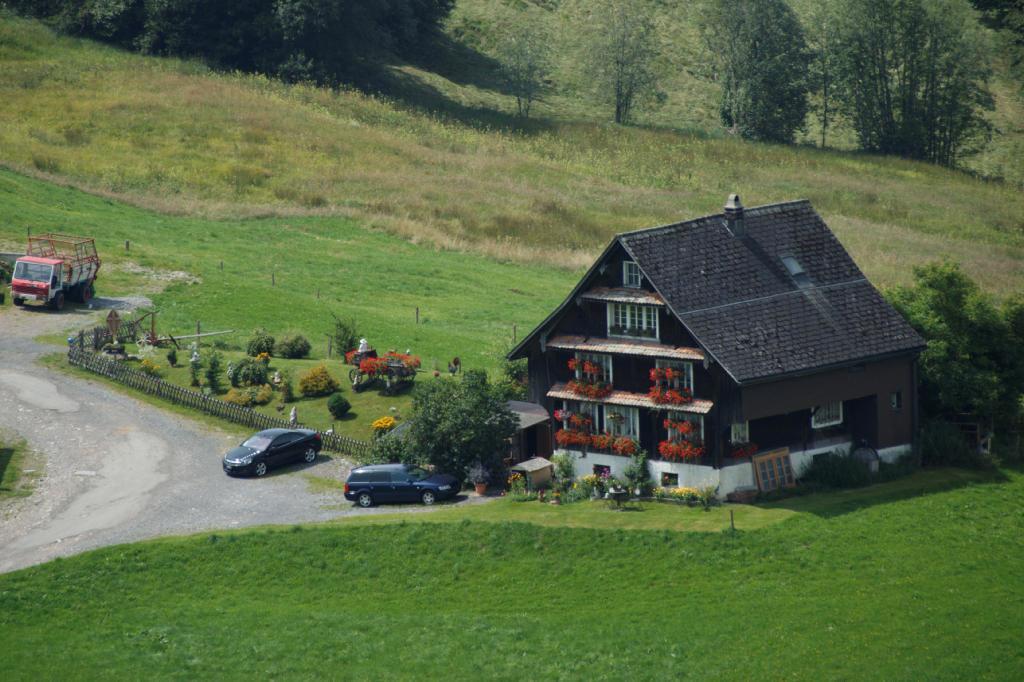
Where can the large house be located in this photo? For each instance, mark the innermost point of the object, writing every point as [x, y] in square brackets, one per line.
[732, 348]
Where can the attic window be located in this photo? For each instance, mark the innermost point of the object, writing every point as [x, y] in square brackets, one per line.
[796, 271]
[630, 274]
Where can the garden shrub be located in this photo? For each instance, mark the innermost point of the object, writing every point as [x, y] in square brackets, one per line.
[249, 396]
[837, 470]
[345, 335]
[150, 367]
[317, 382]
[287, 387]
[249, 372]
[564, 469]
[239, 396]
[338, 405]
[213, 368]
[943, 444]
[636, 473]
[260, 342]
[292, 347]
[392, 450]
[172, 357]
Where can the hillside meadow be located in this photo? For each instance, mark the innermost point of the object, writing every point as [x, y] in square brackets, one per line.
[274, 268]
[917, 578]
[176, 138]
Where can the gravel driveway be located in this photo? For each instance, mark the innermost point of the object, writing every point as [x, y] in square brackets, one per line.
[120, 470]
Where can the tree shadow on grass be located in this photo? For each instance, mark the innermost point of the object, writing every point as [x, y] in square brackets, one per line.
[828, 504]
[6, 457]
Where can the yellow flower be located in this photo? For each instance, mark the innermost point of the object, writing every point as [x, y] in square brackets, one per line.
[383, 424]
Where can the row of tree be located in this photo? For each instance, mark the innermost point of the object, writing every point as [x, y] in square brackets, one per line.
[910, 76]
[321, 40]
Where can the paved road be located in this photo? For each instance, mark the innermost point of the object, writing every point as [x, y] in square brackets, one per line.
[119, 470]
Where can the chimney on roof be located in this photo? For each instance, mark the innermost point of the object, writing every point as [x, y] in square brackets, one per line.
[734, 216]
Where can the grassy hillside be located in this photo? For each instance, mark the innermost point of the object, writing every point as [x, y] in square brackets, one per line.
[174, 137]
[273, 269]
[885, 583]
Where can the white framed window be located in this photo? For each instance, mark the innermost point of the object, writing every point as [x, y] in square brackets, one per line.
[601, 360]
[630, 274]
[740, 432]
[592, 410]
[632, 320]
[622, 421]
[826, 415]
[698, 427]
[685, 369]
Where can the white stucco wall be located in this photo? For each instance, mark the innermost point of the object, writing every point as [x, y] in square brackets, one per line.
[727, 479]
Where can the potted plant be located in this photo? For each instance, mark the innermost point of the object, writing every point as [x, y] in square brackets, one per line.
[479, 476]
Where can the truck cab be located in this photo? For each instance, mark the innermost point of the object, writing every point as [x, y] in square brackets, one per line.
[57, 267]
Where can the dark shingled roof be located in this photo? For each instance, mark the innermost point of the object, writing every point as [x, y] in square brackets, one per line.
[738, 299]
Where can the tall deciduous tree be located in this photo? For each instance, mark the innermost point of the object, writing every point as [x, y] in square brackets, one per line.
[621, 56]
[823, 44]
[761, 60]
[524, 51]
[459, 422]
[914, 76]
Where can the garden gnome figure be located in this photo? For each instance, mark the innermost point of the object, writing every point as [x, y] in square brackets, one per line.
[277, 378]
[294, 417]
[363, 346]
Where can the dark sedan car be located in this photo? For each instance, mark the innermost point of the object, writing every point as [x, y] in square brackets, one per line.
[272, 448]
[370, 485]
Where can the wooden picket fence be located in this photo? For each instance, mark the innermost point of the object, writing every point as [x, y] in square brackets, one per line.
[140, 381]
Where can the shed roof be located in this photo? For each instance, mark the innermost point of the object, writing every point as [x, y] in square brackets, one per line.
[532, 464]
[529, 414]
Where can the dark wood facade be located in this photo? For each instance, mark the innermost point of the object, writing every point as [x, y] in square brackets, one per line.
[866, 396]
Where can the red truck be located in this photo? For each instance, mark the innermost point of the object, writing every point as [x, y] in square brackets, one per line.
[56, 267]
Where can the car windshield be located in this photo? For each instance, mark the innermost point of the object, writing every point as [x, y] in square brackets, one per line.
[34, 272]
[418, 474]
[257, 442]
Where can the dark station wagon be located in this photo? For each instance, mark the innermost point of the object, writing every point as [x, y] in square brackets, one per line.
[377, 483]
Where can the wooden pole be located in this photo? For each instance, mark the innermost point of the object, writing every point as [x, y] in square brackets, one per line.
[273, 279]
[417, 314]
[127, 245]
[329, 343]
[732, 520]
[513, 333]
[318, 293]
[198, 333]
[222, 266]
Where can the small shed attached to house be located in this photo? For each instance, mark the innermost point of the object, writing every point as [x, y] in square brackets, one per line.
[537, 471]
[533, 437]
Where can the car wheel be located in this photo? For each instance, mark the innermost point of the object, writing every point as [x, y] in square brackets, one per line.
[428, 497]
[261, 468]
[310, 455]
[18, 301]
[58, 301]
[365, 500]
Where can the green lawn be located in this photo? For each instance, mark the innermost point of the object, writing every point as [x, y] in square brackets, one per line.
[919, 578]
[468, 303]
[18, 468]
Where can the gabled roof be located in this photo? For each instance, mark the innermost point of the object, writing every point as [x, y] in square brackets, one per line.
[743, 305]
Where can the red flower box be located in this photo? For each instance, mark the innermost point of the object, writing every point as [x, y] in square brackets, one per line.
[680, 451]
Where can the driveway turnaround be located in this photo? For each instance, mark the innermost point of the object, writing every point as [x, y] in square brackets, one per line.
[120, 470]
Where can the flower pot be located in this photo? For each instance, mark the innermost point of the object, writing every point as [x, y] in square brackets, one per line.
[481, 488]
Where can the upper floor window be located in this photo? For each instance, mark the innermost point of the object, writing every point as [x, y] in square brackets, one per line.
[601, 361]
[682, 378]
[828, 414]
[685, 426]
[630, 274]
[629, 319]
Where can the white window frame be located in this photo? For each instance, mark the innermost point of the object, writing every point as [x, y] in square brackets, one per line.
[601, 359]
[592, 410]
[687, 368]
[740, 432]
[822, 418]
[631, 276]
[628, 426]
[635, 316]
[697, 419]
